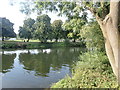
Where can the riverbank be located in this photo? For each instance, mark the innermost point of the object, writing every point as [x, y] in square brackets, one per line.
[38, 45]
[92, 71]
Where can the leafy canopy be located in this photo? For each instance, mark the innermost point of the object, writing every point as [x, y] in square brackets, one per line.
[42, 27]
[6, 28]
[57, 30]
[27, 30]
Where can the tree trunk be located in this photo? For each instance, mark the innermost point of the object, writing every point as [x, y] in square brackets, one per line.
[110, 30]
[28, 39]
[56, 40]
[74, 40]
[3, 38]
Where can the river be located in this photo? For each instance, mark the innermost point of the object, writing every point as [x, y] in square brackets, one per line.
[37, 68]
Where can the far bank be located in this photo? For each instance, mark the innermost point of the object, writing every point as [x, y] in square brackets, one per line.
[38, 45]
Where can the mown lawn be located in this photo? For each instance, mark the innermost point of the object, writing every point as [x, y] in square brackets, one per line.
[35, 44]
[19, 40]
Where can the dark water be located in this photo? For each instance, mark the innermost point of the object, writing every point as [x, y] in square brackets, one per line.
[36, 68]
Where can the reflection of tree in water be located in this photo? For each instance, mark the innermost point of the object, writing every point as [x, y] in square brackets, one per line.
[38, 63]
[63, 56]
[7, 62]
[42, 62]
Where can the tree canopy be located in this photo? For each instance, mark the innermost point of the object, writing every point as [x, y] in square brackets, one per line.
[6, 28]
[27, 29]
[42, 27]
[57, 29]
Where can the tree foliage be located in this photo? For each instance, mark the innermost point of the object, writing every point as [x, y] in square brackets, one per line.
[92, 35]
[74, 26]
[42, 28]
[69, 9]
[27, 30]
[99, 8]
[6, 28]
[57, 29]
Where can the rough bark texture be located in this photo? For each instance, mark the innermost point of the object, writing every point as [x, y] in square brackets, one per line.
[110, 30]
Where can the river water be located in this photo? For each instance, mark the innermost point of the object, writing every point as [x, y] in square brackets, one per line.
[37, 68]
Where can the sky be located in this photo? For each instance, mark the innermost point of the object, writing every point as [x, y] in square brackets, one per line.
[15, 16]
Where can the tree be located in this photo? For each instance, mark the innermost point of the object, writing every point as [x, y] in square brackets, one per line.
[57, 29]
[27, 30]
[43, 28]
[74, 26]
[23, 32]
[70, 10]
[108, 17]
[6, 28]
[92, 36]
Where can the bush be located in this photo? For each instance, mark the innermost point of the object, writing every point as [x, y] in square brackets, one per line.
[92, 71]
[37, 45]
[8, 45]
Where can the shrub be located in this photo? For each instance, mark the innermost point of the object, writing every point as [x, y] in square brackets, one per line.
[92, 71]
[8, 45]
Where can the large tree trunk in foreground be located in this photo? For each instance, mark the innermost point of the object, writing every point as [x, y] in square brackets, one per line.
[111, 33]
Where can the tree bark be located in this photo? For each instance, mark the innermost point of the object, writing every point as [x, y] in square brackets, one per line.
[110, 30]
[3, 38]
[74, 40]
[56, 40]
[28, 39]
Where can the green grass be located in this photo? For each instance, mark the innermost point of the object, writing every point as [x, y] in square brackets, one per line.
[19, 40]
[37, 45]
[92, 71]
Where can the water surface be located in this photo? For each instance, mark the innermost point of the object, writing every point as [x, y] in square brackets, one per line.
[36, 68]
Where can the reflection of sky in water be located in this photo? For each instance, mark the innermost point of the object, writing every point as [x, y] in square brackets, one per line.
[34, 51]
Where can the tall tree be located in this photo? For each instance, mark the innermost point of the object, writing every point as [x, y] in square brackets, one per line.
[6, 28]
[57, 29]
[108, 17]
[27, 30]
[43, 28]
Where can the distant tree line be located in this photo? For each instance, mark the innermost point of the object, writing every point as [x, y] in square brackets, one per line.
[44, 30]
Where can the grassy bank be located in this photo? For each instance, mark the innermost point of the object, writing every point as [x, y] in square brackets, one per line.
[38, 45]
[92, 71]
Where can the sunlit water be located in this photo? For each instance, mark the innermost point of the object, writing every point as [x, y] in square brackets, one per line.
[36, 68]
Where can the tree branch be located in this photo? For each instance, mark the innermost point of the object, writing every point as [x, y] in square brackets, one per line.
[93, 11]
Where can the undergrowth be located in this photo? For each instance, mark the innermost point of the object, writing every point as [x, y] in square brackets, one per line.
[92, 71]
